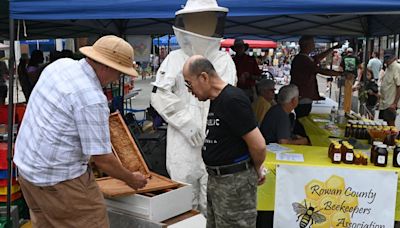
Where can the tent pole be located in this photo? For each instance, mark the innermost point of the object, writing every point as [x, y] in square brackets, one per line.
[10, 117]
[379, 47]
[365, 62]
[396, 41]
[169, 37]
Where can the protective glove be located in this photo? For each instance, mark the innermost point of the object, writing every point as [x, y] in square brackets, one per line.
[197, 139]
[193, 134]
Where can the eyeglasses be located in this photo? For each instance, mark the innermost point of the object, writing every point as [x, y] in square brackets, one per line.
[188, 85]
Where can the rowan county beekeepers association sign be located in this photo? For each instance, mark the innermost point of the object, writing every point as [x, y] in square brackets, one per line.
[319, 197]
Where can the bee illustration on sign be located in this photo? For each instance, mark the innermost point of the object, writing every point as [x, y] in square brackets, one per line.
[308, 215]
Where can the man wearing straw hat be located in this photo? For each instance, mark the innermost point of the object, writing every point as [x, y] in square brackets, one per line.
[66, 123]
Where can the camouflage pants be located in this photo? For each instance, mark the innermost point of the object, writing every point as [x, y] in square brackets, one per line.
[232, 200]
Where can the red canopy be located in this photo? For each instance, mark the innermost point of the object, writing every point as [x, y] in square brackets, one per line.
[252, 43]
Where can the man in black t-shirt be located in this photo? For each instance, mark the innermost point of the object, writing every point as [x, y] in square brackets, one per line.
[350, 63]
[276, 126]
[234, 149]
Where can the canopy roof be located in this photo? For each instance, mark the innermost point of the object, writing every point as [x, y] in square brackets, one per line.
[122, 9]
[267, 19]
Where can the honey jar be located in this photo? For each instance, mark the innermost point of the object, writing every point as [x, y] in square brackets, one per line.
[349, 155]
[382, 155]
[396, 155]
[336, 154]
[373, 151]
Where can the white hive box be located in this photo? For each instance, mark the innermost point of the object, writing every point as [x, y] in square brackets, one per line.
[154, 206]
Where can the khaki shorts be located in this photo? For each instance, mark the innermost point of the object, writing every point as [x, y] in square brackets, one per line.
[73, 203]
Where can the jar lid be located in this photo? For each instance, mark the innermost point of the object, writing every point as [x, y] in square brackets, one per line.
[382, 146]
[350, 147]
[364, 155]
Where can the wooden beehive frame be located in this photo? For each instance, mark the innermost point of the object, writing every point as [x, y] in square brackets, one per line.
[112, 187]
[124, 146]
[127, 153]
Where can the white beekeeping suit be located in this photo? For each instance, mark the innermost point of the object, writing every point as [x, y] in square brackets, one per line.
[198, 28]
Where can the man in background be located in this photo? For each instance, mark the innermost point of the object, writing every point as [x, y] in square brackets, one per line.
[265, 98]
[304, 75]
[390, 88]
[375, 65]
[246, 68]
[277, 126]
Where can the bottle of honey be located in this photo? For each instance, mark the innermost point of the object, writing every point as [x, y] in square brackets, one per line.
[396, 154]
[349, 155]
[336, 154]
[382, 155]
[364, 160]
[357, 158]
[331, 146]
[374, 147]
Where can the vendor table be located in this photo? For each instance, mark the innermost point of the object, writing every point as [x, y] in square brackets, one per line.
[313, 156]
[317, 132]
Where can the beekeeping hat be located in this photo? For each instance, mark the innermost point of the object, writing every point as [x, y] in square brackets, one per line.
[196, 6]
[203, 17]
[113, 52]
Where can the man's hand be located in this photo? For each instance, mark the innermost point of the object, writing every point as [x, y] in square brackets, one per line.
[393, 107]
[261, 172]
[339, 45]
[136, 181]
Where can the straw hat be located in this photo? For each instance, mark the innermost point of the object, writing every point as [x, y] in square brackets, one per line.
[114, 52]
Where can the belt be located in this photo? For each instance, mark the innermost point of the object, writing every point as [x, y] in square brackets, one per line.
[229, 169]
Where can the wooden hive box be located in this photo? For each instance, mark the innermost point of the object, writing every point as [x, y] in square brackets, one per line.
[127, 152]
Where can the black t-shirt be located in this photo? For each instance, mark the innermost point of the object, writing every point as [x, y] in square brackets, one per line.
[276, 125]
[230, 117]
[372, 99]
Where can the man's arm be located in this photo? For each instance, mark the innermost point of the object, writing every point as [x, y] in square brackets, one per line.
[329, 72]
[110, 165]
[297, 141]
[322, 55]
[257, 148]
[396, 99]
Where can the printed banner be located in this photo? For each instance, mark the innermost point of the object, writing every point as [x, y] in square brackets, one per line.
[316, 197]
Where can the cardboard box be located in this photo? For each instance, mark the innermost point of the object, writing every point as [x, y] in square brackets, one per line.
[159, 207]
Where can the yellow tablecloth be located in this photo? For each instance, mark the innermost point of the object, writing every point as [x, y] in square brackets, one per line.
[313, 156]
[315, 130]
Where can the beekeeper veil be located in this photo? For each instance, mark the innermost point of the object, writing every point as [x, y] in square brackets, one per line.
[199, 27]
